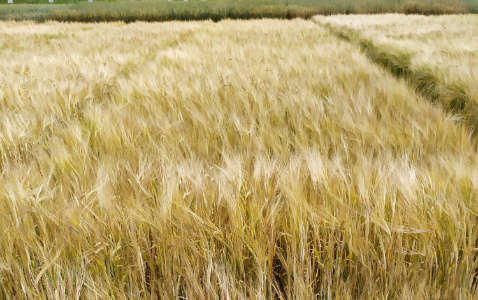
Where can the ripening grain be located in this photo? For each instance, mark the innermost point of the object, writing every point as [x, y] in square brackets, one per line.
[225, 160]
[445, 47]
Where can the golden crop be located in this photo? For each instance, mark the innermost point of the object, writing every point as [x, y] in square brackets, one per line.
[231, 160]
[447, 45]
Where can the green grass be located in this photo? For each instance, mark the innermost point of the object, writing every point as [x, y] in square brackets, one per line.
[123, 10]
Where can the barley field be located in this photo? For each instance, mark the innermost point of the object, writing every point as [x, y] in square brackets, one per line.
[440, 53]
[233, 160]
[447, 44]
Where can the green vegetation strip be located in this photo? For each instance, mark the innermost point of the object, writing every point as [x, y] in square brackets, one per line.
[453, 97]
[127, 11]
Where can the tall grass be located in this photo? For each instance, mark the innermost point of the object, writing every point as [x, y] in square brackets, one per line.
[225, 160]
[148, 10]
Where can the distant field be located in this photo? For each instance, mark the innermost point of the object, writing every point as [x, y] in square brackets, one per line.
[440, 54]
[150, 10]
[240, 159]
